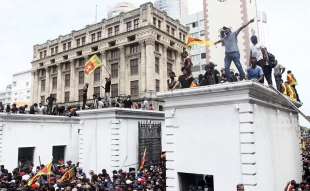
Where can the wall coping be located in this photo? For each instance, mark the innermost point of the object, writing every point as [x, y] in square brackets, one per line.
[226, 93]
[30, 118]
[121, 113]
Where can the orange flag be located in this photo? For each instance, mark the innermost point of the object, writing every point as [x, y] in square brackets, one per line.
[143, 160]
[47, 170]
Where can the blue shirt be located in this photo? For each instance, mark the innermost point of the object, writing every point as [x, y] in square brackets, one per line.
[231, 42]
[255, 73]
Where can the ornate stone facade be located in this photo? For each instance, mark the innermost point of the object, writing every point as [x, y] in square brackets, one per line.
[137, 48]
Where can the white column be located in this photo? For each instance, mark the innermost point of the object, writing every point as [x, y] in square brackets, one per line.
[60, 97]
[35, 84]
[73, 81]
[47, 82]
[163, 69]
[121, 76]
[178, 64]
[150, 65]
[105, 72]
[142, 70]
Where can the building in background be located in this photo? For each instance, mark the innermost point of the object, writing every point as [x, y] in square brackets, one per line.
[5, 96]
[21, 88]
[195, 23]
[138, 48]
[176, 9]
[119, 8]
[232, 13]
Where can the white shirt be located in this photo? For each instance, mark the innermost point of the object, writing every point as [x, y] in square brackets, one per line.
[257, 52]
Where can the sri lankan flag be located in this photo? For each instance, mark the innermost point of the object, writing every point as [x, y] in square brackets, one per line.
[143, 160]
[91, 65]
[68, 175]
[47, 170]
[196, 41]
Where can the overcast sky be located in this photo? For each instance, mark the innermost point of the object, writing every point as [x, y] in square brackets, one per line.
[28, 22]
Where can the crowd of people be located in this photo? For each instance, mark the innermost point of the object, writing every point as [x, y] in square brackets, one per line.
[261, 66]
[69, 176]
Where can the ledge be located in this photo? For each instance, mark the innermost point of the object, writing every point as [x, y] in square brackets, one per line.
[226, 93]
[29, 118]
[121, 113]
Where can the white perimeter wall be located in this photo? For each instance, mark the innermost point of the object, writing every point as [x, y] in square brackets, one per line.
[206, 142]
[41, 132]
[277, 147]
[109, 138]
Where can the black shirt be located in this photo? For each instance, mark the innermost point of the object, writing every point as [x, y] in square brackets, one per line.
[186, 81]
[107, 86]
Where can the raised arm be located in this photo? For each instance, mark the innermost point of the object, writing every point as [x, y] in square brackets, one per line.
[244, 26]
[217, 42]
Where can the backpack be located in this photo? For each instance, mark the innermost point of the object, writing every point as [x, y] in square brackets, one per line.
[272, 60]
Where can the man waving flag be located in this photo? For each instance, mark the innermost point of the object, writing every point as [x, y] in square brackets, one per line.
[47, 170]
[91, 65]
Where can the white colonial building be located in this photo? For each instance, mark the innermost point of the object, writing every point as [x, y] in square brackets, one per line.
[138, 48]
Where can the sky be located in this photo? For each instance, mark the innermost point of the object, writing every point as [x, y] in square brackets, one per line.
[25, 23]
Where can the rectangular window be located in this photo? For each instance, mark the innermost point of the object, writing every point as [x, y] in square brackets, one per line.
[83, 40]
[80, 94]
[54, 83]
[97, 75]
[25, 154]
[159, 23]
[154, 21]
[169, 67]
[98, 35]
[52, 51]
[114, 90]
[128, 24]
[172, 31]
[168, 29]
[97, 91]
[42, 100]
[58, 153]
[157, 86]
[44, 53]
[134, 67]
[56, 49]
[78, 42]
[156, 47]
[41, 55]
[67, 80]
[116, 29]
[69, 45]
[133, 48]
[110, 32]
[195, 24]
[134, 88]
[67, 66]
[180, 35]
[157, 65]
[114, 70]
[54, 69]
[114, 54]
[64, 46]
[93, 37]
[42, 85]
[81, 77]
[203, 55]
[136, 23]
[67, 96]
[169, 53]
